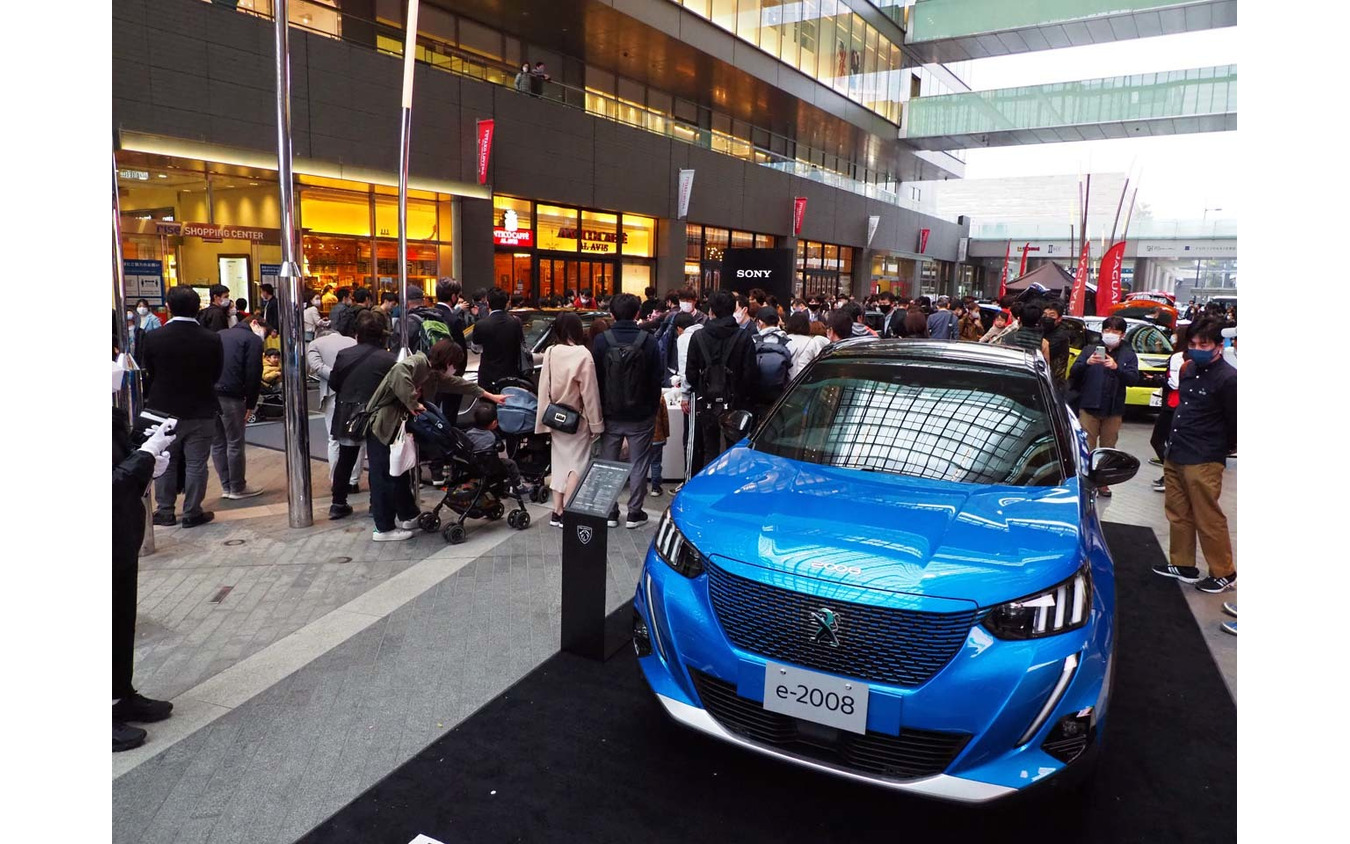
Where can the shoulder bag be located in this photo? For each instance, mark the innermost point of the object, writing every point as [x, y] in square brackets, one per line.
[562, 418]
[351, 420]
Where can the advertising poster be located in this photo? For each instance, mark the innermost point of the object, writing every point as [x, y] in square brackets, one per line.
[144, 280]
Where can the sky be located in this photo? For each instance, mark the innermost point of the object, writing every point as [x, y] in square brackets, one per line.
[1179, 176]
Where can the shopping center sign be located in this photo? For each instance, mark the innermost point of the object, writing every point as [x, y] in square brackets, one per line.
[216, 233]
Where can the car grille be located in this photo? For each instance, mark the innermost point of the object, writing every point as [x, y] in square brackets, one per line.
[883, 645]
[910, 755]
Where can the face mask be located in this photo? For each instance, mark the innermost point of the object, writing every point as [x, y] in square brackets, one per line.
[1202, 357]
[130, 316]
[741, 316]
[234, 311]
[1111, 340]
[315, 301]
[687, 307]
[142, 310]
[1049, 323]
[885, 309]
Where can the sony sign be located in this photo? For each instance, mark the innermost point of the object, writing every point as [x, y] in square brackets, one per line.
[771, 270]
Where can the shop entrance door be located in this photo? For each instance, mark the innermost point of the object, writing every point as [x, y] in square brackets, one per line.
[820, 283]
[558, 275]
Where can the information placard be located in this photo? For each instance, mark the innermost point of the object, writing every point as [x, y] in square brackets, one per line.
[143, 280]
[599, 488]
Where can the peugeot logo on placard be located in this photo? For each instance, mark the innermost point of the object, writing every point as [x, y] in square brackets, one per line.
[584, 533]
[827, 627]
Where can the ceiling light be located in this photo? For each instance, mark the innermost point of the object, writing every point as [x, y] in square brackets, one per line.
[161, 176]
[253, 184]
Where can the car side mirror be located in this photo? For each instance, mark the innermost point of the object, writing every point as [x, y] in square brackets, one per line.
[738, 423]
[1109, 466]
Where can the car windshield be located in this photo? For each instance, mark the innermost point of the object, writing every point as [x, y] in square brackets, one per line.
[536, 325]
[922, 419]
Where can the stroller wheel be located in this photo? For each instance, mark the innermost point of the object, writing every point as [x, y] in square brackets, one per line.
[511, 517]
[539, 495]
[455, 534]
[496, 511]
[429, 522]
[522, 519]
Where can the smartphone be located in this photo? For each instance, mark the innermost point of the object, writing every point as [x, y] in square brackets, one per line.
[1101, 351]
[146, 420]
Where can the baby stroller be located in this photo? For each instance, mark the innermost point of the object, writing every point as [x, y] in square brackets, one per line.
[532, 452]
[478, 483]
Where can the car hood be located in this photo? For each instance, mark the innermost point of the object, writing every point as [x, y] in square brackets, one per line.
[770, 517]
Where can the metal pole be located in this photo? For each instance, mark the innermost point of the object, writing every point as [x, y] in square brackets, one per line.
[1119, 206]
[130, 398]
[405, 142]
[299, 501]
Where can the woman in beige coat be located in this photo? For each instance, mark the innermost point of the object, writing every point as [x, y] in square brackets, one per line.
[568, 377]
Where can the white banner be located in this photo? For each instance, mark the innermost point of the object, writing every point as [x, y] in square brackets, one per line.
[872, 223]
[686, 188]
[962, 249]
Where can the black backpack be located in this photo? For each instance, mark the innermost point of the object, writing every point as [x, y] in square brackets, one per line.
[719, 382]
[774, 360]
[626, 386]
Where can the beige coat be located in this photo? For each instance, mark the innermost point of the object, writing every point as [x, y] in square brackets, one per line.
[568, 377]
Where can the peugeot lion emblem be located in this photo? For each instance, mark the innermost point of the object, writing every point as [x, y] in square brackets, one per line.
[584, 533]
[827, 627]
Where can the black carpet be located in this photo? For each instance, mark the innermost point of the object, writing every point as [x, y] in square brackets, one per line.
[580, 751]
[272, 435]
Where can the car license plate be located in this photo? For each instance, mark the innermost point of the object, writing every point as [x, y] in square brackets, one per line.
[812, 696]
[1155, 399]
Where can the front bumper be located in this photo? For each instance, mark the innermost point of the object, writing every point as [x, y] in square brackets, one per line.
[992, 691]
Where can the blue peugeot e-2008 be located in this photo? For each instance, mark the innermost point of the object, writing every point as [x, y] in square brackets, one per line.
[900, 578]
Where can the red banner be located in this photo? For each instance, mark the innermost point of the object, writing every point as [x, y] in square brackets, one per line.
[485, 128]
[1003, 279]
[1022, 270]
[923, 240]
[1079, 299]
[1108, 277]
[798, 214]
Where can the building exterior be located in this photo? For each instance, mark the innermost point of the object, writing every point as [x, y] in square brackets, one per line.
[765, 105]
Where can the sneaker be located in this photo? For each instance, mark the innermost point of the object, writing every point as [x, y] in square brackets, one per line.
[141, 709]
[125, 737]
[1160, 485]
[406, 524]
[246, 492]
[397, 535]
[165, 519]
[193, 521]
[1229, 627]
[555, 520]
[636, 519]
[656, 492]
[1155, 461]
[338, 511]
[1189, 574]
[613, 518]
[1104, 491]
[1215, 585]
[1231, 609]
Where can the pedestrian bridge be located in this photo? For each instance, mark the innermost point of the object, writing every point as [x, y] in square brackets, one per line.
[959, 30]
[1176, 102]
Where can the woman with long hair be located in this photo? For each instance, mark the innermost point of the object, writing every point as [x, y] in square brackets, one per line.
[568, 378]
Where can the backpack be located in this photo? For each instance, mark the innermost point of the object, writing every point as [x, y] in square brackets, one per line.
[430, 330]
[626, 385]
[719, 382]
[774, 359]
[345, 324]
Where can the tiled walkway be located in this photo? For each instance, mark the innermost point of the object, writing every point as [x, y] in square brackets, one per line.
[316, 675]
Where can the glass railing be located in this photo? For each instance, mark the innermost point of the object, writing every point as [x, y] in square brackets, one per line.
[808, 162]
[1139, 229]
[931, 20]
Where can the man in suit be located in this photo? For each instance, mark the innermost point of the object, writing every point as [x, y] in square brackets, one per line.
[182, 363]
[271, 313]
[237, 392]
[447, 302]
[502, 340]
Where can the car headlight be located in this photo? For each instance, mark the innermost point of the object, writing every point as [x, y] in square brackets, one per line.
[675, 550]
[1059, 609]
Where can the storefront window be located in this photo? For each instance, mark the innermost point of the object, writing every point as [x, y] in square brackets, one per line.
[765, 241]
[599, 234]
[422, 223]
[742, 240]
[639, 236]
[557, 228]
[511, 271]
[335, 212]
[715, 241]
[693, 250]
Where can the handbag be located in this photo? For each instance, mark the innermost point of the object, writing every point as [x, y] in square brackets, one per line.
[560, 417]
[402, 452]
[351, 420]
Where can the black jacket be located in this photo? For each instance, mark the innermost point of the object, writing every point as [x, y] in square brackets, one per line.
[241, 373]
[271, 314]
[182, 362]
[722, 340]
[215, 317]
[626, 331]
[453, 320]
[1101, 391]
[502, 340]
[1204, 428]
[132, 471]
[358, 370]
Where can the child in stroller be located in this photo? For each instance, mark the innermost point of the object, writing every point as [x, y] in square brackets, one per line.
[532, 452]
[479, 481]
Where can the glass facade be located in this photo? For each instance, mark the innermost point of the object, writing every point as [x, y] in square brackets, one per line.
[704, 248]
[823, 269]
[824, 39]
[545, 250]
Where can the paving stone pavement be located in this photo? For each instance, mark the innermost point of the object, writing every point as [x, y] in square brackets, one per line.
[284, 760]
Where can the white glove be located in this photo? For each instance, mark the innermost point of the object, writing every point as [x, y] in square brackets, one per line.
[159, 438]
[161, 463]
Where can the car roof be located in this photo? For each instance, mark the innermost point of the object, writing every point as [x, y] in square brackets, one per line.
[899, 349]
